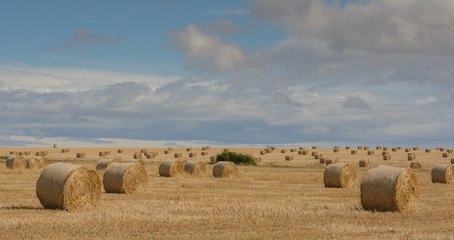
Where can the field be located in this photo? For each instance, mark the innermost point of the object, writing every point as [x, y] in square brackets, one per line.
[276, 199]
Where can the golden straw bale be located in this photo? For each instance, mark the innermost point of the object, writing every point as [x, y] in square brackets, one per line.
[171, 168]
[65, 150]
[31, 162]
[213, 159]
[385, 153]
[104, 164]
[292, 149]
[257, 159]
[407, 149]
[415, 165]
[443, 173]
[69, 187]
[203, 153]
[313, 153]
[335, 149]
[348, 147]
[385, 148]
[177, 155]
[137, 155]
[322, 160]
[390, 189]
[13, 162]
[354, 151]
[21, 153]
[300, 152]
[262, 152]
[445, 155]
[370, 152]
[283, 150]
[378, 147]
[188, 149]
[225, 169]
[452, 160]
[42, 162]
[394, 149]
[305, 152]
[289, 158]
[226, 149]
[428, 150]
[166, 151]
[120, 151]
[364, 163]
[301, 148]
[331, 161]
[447, 150]
[103, 154]
[13, 152]
[360, 147]
[268, 150]
[387, 157]
[442, 149]
[195, 168]
[340, 175]
[411, 156]
[192, 154]
[80, 155]
[318, 155]
[415, 148]
[125, 178]
[315, 147]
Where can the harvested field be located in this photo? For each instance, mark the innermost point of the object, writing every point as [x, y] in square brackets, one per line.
[276, 199]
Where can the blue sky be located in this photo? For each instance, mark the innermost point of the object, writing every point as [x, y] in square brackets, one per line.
[226, 73]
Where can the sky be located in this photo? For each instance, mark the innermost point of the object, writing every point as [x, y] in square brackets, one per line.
[238, 73]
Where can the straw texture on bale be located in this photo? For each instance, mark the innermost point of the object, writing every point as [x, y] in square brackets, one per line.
[428, 150]
[42, 162]
[188, 149]
[331, 161]
[289, 158]
[370, 152]
[104, 164]
[322, 160]
[340, 175]
[138, 161]
[225, 169]
[125, 178]
[415, 165]
[177, 155]
[390, 189]
[364, 162]
[103, 154]
[387, 157]
[137, 155]
[32, 162]
[195, 167]
[354, 151]
[192, 154]
[452, 160]
[68, 186]
[170, 168]
[80, 155]
[445, 155]
[213, 159]
[411, 156]
[335, 149]
[283, 150]
[443, 173]
[120, 151]
[13, 162]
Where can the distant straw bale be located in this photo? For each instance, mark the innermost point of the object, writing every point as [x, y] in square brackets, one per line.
[315, 147]
[192, 154]
[415, 165]
[188, 149]
[104, 164]
[340, 175]
[411, 156]
[289, 158]
[415, 148]
[348, 147]
[213, 159]
[137, 155]
[445, 154]
[322, 160]
[390, 189]
[15, 162]
[195, 168]
[443, 173]
[204, 153]
[387, 157]
[225, 169]
[69, 187]
[31, 162]
[283, 150]
[354, 151]
[335, 149]
[364, 162]
[370, 152]
[120, 151]
[80, 155]
[385, 153]
[171, 168]
[331, 161]
[428, 150]
[125, 178]
[177, 155]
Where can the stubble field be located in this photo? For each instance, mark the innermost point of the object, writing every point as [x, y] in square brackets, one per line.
[276, 199]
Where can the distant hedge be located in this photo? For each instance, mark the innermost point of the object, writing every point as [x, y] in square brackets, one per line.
[236, 158]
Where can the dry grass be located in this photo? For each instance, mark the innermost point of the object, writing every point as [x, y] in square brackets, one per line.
[277, 199]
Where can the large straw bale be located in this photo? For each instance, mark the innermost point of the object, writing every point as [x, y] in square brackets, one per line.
[195, 167]
[390, 189]
[340, 175]
[14, 161]
[104, 164]
[68, 186]
[415, 165]
[171, 168]
[225, 169]
[42, 162]
[443, 173]
[125, 178]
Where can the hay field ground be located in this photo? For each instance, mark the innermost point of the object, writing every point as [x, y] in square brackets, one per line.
[277, 199]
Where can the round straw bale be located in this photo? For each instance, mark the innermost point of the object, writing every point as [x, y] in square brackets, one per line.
[305, 152]
[257, 159]
[268, 150]
[378, 147]
[331, 161]
[313, 153]
[20, 153]
[226, 149]
[428, 150]
[301, 148]
[394, 149]
[195, 168]
[385, 148]
[125, 178]
[447, 150]
[348, 147]
[390, 189]
[13, 162]
[445, 155]
[315, 147]
[166, 151]
[213, 159]
[203, 153]
[177, 155]
[68, 186]
[411, 156]
[364, 162]
[443, 173]
[42, 162]
[292, 149]
[188, 149]
[415, 165]
[360, 147]
[80, 155]
[335, 149]
[340, 175]
[366, 148]
[170, 168]
[13, 152]
[370, 152]
[318, 155]
[137, 155]
[138, 161]
[32, 162]
[322, 160]
[105, 163]
[387, 157]
[289, 158]
[407, 149]
[262, 152]
[354, 151]
[103, 154]
[385, 153]
[415, 148]
[283, 150]
[192, 154]
[120, 151]
[225, 169]
[452, 160]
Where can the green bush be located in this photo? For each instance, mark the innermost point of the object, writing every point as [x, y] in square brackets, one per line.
[236, 158]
